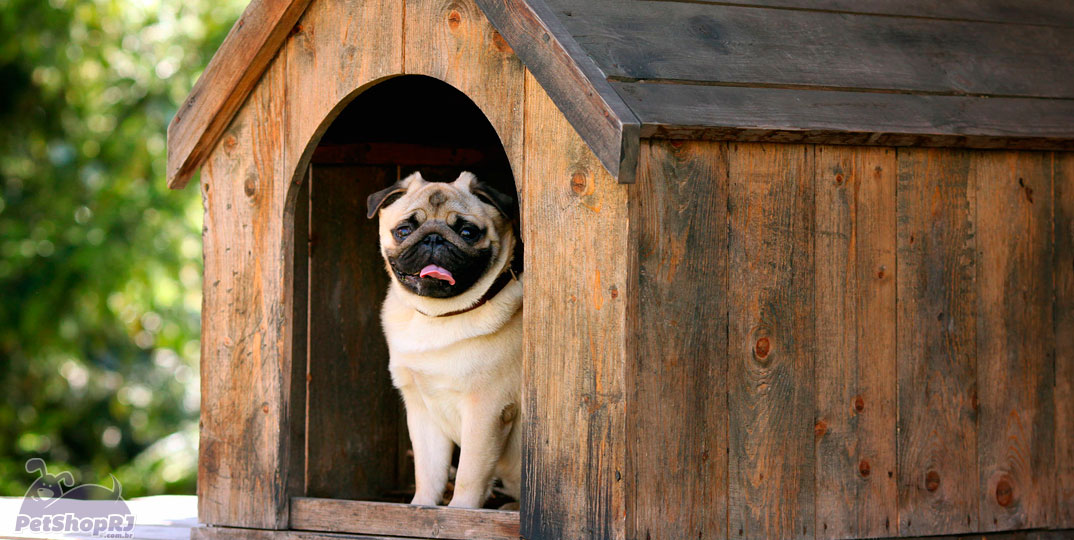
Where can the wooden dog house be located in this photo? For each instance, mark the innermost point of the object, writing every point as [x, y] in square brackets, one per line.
[794, 269]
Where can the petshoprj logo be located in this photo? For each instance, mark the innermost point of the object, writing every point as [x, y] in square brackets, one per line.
[53, 504]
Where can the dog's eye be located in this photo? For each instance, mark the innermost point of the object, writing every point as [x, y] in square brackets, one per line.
[401, 232]
[470, 233]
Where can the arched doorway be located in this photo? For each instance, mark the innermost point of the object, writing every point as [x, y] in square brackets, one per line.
[356, 440]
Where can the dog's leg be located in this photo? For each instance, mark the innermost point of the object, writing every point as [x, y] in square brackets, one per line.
[485, 427]
[432, 452]
[509, 468]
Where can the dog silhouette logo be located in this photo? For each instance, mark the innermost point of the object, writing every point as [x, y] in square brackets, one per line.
[54, 504]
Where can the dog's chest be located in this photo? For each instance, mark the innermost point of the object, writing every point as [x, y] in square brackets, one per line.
[459, 365]
[444, 378]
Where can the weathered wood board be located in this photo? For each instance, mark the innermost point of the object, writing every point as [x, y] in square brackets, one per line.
[229, 533]
[330, 515]
[472, 57]
[572, 81]
[1035, 12]
[770, 341]
[855, 340]
[300, 340]
[1063, 266]
[677, 375]
[1015, 341]
[936, 343]
[339, 47]
[227, 81]
[747, 46]
[353, 410]
[247, 461]
[833, 116]
[577, 256]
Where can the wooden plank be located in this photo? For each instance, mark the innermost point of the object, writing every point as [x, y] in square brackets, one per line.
[684, 111]
[472, 57]
[730, 44]
[573, 81]
[234, 533]
[300, 264]
[341, 47]
[677, 416]
[229, 533]
[771, 341]
[247, 446]
[331, 515]
[577, 257]
[937, 303]
[229, 78]
[353, 409]
[855, 369]
[1063, 268]
[1036, 12]
[1016, 422]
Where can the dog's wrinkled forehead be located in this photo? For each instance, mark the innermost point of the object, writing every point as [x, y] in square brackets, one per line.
[439, 201]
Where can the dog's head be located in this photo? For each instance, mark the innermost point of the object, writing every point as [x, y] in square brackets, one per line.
[438, 238]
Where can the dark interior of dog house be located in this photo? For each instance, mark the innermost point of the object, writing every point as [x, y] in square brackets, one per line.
[357, 445]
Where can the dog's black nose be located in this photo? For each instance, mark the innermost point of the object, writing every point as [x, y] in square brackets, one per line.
[433, 239]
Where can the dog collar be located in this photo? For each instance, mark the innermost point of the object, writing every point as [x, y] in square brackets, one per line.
[492, 291]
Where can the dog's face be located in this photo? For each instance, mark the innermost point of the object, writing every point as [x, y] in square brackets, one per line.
[440, 238]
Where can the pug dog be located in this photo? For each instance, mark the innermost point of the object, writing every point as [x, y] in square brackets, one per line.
[453, 322]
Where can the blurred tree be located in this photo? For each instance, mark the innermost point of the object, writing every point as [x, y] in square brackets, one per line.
[100, 276]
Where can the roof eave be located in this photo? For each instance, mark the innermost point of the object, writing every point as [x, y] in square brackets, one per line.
[229, 78]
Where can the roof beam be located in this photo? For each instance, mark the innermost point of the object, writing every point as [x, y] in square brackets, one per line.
[574, 82]
[232, 73]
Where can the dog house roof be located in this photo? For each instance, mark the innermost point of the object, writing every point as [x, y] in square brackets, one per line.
[981, 73]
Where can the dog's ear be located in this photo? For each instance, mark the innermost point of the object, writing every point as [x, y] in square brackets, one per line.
[490, 195]
[389, 194]
[383, 197]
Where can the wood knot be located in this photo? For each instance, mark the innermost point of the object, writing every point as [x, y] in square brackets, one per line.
[264, 408]
[296, 29]
[249, 186]
[230, 142]
[762, 348]
[454, 19]
[614, 291]
[500, 44]
[839, 179]
[881, 272]
[1004, 492]
[578, 183]
[859, 404]
[864, 469]
[820, 428]
[1026, 190]
[932, 481]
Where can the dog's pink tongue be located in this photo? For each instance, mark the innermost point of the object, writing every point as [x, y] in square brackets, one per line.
[437, 272]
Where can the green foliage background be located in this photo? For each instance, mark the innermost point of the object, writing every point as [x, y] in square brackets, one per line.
[100, 264]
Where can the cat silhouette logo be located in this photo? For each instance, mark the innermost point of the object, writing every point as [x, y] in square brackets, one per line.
[54, 504]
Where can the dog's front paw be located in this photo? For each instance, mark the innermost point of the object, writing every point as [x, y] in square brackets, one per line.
[425, 500]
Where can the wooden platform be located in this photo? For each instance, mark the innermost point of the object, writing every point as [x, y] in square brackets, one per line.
[165, 517]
